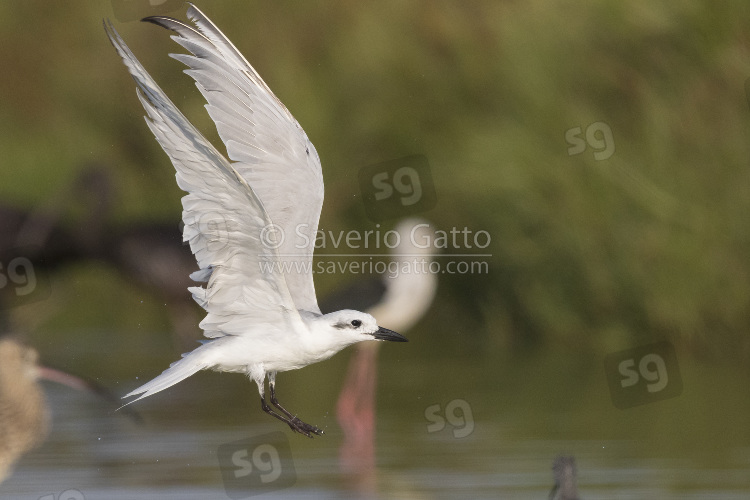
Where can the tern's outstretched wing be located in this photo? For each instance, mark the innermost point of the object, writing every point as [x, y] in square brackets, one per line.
[223, 217]
[269, 148]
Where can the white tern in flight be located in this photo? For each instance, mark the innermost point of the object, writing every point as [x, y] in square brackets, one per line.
[242, 217]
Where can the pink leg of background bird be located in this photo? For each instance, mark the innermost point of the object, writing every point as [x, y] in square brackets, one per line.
[356, 415]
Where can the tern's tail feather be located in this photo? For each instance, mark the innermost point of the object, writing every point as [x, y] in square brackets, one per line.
[177, 371]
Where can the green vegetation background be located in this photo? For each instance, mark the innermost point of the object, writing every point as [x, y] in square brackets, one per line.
[587, 255]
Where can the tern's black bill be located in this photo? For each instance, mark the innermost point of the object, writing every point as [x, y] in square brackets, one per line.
[386, 334]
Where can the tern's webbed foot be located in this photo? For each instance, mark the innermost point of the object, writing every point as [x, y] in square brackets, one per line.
[294, 423]
[298, 425]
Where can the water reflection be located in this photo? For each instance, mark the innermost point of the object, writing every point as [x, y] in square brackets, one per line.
[564, 470]
[508, 455]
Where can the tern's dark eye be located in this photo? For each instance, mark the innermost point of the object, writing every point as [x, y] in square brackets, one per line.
[356, 323]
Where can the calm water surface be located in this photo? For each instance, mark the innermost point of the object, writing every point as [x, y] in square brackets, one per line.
[507, 422]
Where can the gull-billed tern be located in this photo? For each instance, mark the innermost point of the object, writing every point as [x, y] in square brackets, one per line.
[262, 313]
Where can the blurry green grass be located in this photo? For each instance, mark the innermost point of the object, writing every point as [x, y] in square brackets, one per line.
[650, 243]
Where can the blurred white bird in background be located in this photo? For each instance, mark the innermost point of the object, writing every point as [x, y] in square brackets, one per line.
[241, 218]
[399, 300]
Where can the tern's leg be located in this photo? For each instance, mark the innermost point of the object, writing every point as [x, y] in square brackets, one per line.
[295, 422]
[259, 376]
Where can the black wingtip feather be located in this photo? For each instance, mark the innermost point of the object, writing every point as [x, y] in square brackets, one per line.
[172, 24]
[163, 21]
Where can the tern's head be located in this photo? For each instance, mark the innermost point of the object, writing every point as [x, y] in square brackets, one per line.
[357, 326]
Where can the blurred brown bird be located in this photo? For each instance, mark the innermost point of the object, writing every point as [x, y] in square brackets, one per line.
[24, 419]
[24, 416]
